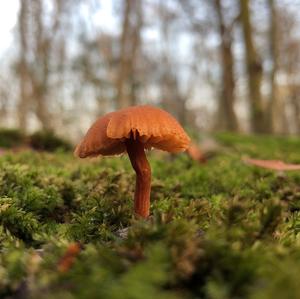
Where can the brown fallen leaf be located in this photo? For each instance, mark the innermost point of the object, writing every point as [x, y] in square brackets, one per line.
[195, 153]
[272, 164]
[69, 257]
[2, 151]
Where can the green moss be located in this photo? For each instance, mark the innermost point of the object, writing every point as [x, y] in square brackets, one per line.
[223, 229]
[48, 141]
[11, 138]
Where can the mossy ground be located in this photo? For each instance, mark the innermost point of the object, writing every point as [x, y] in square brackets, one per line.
[218, 230]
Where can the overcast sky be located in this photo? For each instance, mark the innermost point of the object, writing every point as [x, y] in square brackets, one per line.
[8, 17]
[9, 14]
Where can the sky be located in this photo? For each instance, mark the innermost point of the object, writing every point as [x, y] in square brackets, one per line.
[9, 14]
[8, 18]
[103, 19]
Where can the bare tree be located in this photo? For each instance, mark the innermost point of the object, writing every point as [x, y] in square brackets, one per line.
[254, 70]
[295, 100]
[293, 67]
[97, 67]
[130, 42]
[4, 98]
[273, 112]
[42, 37]
[174, 95]
[23, 71]
[227, 118]
[217, 23]
[288, 47]
[43, 45]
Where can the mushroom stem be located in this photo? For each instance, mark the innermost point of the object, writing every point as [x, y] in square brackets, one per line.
[140, 164]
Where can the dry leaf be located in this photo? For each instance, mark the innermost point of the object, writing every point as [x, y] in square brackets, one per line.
[272, 164]
[2, 151]
[69, 257]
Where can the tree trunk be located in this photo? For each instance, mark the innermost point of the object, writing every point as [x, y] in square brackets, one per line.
[227, 117]
[295, 101]
[135, 44]
[40, 79]
[254, 71]
[273, 119]
[24, 97]
[129, 48]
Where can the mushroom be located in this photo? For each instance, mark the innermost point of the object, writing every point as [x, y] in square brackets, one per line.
[133, 130]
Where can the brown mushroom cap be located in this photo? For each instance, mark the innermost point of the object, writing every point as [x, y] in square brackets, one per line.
[150, 125]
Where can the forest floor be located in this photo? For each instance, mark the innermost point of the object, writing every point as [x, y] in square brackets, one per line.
[218, 230]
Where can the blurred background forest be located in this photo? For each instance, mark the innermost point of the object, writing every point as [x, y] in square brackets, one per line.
[216, 65]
